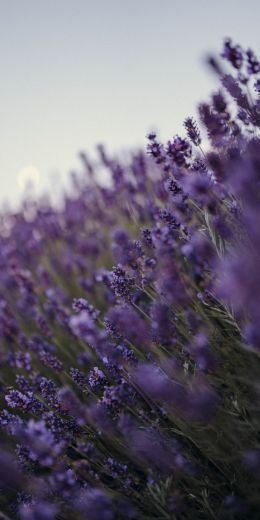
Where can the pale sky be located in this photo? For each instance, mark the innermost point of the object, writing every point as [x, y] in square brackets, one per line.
[75, 73]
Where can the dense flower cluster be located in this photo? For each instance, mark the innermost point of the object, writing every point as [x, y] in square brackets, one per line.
[130, 328]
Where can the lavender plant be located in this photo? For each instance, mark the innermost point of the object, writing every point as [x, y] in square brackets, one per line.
[130, 328]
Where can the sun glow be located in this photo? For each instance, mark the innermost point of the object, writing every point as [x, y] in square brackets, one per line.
[28, 178]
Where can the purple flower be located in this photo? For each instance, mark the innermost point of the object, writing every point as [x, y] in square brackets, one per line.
[97, 379]
[121, 283]
[192, 131]
[253, 64]
[22, 360]
[114, 398]
[94, 504]
[149, 387]
[9, 422]
[156, 383]
[40, 442]
[179, 150]
[130, 325]
[80, 379]
[10, 474]
[233, 53]
[80, 304]
[152, 451]
[163, 326]
[71, 404]
[38, 511]
[156, 149]
[23, 402]
[51, 361]
[235, 91]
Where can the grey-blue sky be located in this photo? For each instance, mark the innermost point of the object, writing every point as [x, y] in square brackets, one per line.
[78, 72]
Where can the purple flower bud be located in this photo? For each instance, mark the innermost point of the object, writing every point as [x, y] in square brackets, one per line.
[233, 53]
[97, 379]
[22, 360]
[51, 361]
[121, 283]
[192, 131]
[80, 379]
[253, 65]
[80, 304]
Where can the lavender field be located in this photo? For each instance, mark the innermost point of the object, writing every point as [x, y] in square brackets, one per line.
[130, 327]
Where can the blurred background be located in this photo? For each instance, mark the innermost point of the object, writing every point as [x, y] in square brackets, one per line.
[75, 73]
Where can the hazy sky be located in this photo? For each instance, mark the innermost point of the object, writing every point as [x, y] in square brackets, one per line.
[78, 72]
